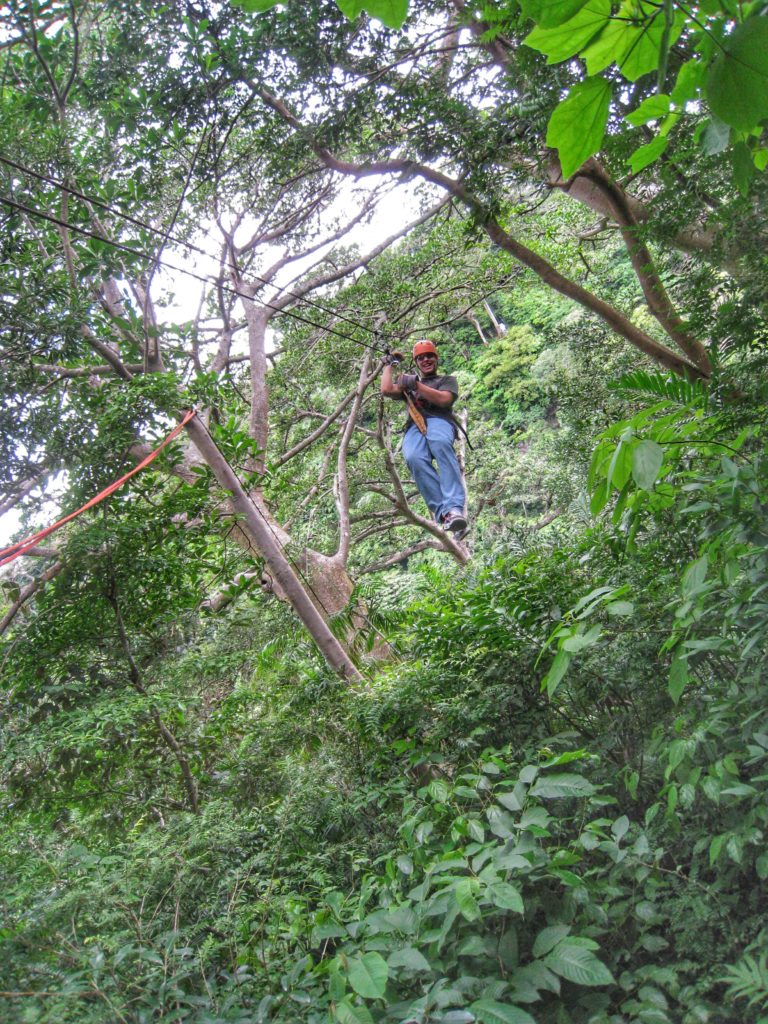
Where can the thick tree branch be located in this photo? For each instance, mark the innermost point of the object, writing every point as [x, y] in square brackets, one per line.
[23, 490]
[643, 263]
[342, 480]
[310, 439]
[26, 593]
[391, 560]
[616, 320]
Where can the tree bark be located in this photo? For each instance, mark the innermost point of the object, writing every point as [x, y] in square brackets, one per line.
[270, 547]
[552, 277]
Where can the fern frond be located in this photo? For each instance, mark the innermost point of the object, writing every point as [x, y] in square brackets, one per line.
[748, 980]
[675, 390]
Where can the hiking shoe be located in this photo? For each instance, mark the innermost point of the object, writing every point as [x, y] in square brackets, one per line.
[455, 522]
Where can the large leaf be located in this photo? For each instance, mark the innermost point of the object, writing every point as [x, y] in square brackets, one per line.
[488, 1011]
[549, 937]
[651, 109]
[645, 155]
[562, 784]
[566, 39]
[737, 83]
[577, 125]
[392, 919]
[548, 13]
[391, 12]
[368, 975]
[506, 896]
[694, 576]
[578, 964]
[410, 958]
[647, 460]
[464, 891]
[557, 670]
[347, 1013]
[255, 6]
[631, 44]
[678, 678]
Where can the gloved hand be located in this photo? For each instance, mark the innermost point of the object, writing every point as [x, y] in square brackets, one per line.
[393, 358]
[408, 381]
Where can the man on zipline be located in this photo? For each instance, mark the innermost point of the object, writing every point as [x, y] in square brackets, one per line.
[432, 396]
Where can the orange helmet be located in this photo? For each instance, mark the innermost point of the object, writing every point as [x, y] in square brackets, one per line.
[423, 347]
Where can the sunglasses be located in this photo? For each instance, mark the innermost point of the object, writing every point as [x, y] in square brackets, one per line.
[426, 355]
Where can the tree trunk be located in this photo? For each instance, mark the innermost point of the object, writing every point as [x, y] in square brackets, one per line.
[297, 593]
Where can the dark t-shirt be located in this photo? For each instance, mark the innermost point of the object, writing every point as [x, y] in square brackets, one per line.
[427, 409]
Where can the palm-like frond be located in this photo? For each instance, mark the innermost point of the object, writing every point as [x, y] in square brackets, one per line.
[675, 390]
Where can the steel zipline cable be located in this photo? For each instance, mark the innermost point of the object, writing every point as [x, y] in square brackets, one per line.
[206, 279]
[62, 186]
[381, 348]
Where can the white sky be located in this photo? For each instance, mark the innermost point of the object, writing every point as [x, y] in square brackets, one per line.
[396, 210]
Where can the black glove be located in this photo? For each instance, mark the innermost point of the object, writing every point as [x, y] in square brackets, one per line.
[393, 358]
[408, 381]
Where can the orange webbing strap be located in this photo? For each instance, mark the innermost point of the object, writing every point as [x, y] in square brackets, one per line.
[415, 413]
[7, 555]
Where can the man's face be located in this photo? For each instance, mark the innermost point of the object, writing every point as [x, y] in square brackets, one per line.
[426, 363]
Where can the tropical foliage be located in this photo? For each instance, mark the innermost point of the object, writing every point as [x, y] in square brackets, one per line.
[272, 746]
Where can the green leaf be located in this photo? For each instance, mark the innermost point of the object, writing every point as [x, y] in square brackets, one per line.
[644, 42]
[368, 975]
[473, 945]
[500, 822]
[548, 938]
[405, 864]
[391, 13]
[255, 6]
[410, 958]
[347, 1013]
[506, 896]
[678, 678]
[737, 82]
[549, 13]
[439, 791]
[578, 964]
[651, 109]
[392, 919]
[620, 609]
[694, 576]
[690, 78]
[564, 40]
[647, 460]
[715, 137]
[509, 800]
[561, 784]
[577, 125]
[579, 641]
[599, 498]
[645, 155]
[632, 40]
[743, 167]
[464, 890]
[557, 670]
[715, 847]
[488, 1011]
[620, 827]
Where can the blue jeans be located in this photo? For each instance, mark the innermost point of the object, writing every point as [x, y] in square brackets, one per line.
[442, 489]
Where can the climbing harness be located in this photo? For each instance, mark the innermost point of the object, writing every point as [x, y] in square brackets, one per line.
[394, 359]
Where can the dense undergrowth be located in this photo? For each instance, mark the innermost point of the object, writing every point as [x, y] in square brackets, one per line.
[550, 805]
